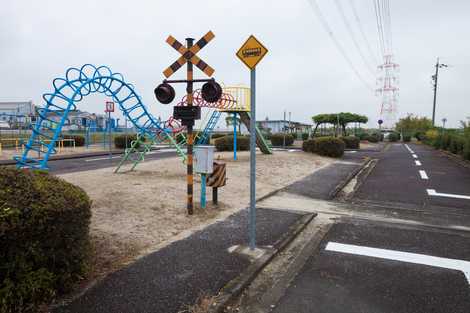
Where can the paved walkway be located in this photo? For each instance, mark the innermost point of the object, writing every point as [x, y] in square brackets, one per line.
[172, 278]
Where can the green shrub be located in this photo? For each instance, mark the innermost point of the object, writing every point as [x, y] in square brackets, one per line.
[445, 141]
[44, 239]
[437, 142]
[363, 136]
[79, 141]
[406, 137]
[466, 148]
[373, 139]
[393, 137]
[226, 143]
[351, 142]
[329, 146]
[123, 141]
[304, 136]
[420, 136]
[456, 144]
[308, 145]
[278, 139]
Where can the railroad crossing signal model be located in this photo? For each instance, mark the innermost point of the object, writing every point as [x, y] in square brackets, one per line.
[189, 55]
[210, 92]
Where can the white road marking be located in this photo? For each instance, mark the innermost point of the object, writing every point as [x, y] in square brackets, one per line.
[432, 192]
[409, 149]
[418, 163]
[415, 156]
[100, 159]
[354, 151]
[407, 257]
[423, 174]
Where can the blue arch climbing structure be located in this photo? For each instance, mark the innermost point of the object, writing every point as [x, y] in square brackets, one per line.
[68, 90]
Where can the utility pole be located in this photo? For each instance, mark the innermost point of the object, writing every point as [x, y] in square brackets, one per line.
[434, 78]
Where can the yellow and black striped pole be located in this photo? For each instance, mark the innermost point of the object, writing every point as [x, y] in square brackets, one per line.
[189, 91]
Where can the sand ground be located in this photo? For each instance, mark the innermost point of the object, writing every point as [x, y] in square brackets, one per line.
[138, 212]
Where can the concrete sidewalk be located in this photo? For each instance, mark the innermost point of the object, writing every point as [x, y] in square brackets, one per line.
[171, 279]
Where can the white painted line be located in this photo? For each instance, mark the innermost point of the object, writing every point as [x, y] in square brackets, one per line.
[100, 159]
[409, 149]
[423, 174]
[418, 163]
[432, 192]
[415, 156]
[354, 151]
[407, 257]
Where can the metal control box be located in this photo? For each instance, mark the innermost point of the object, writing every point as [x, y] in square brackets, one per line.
[203, 159]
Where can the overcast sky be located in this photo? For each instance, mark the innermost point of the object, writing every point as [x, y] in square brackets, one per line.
[303, 72]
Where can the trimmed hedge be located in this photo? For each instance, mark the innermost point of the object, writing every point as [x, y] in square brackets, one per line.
[351, 142]
[120, 141]
[278, 139]
[308, 145]
[226, 143]
[393, 137]
[44, 223]
[304, 136]
[364, 136]
[373, 139]
[327, 146]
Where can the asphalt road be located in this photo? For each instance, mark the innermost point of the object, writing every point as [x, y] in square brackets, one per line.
[385, 261]
[407, 174]
[103, 161]
[338, 282]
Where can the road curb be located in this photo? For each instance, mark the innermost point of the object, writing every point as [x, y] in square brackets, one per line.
[456, 158]
[236, 286]
[348, 178]
[361, 177]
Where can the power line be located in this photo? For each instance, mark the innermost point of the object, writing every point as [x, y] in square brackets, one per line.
[361, 30]
[380, 29]
[353, 37]
[328, 29]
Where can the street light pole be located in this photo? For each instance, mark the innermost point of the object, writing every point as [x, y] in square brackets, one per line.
[435, 77]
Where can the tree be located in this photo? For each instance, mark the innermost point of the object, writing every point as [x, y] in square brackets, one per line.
[412, 124]
[338, 120]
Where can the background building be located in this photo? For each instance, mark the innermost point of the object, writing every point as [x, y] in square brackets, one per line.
[17, 114]
[279, 126]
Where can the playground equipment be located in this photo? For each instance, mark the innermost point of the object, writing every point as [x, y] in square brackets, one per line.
[68, 90]
[80, 82]
[241, 95]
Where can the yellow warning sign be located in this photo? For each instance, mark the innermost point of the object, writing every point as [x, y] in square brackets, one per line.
[251, 52]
